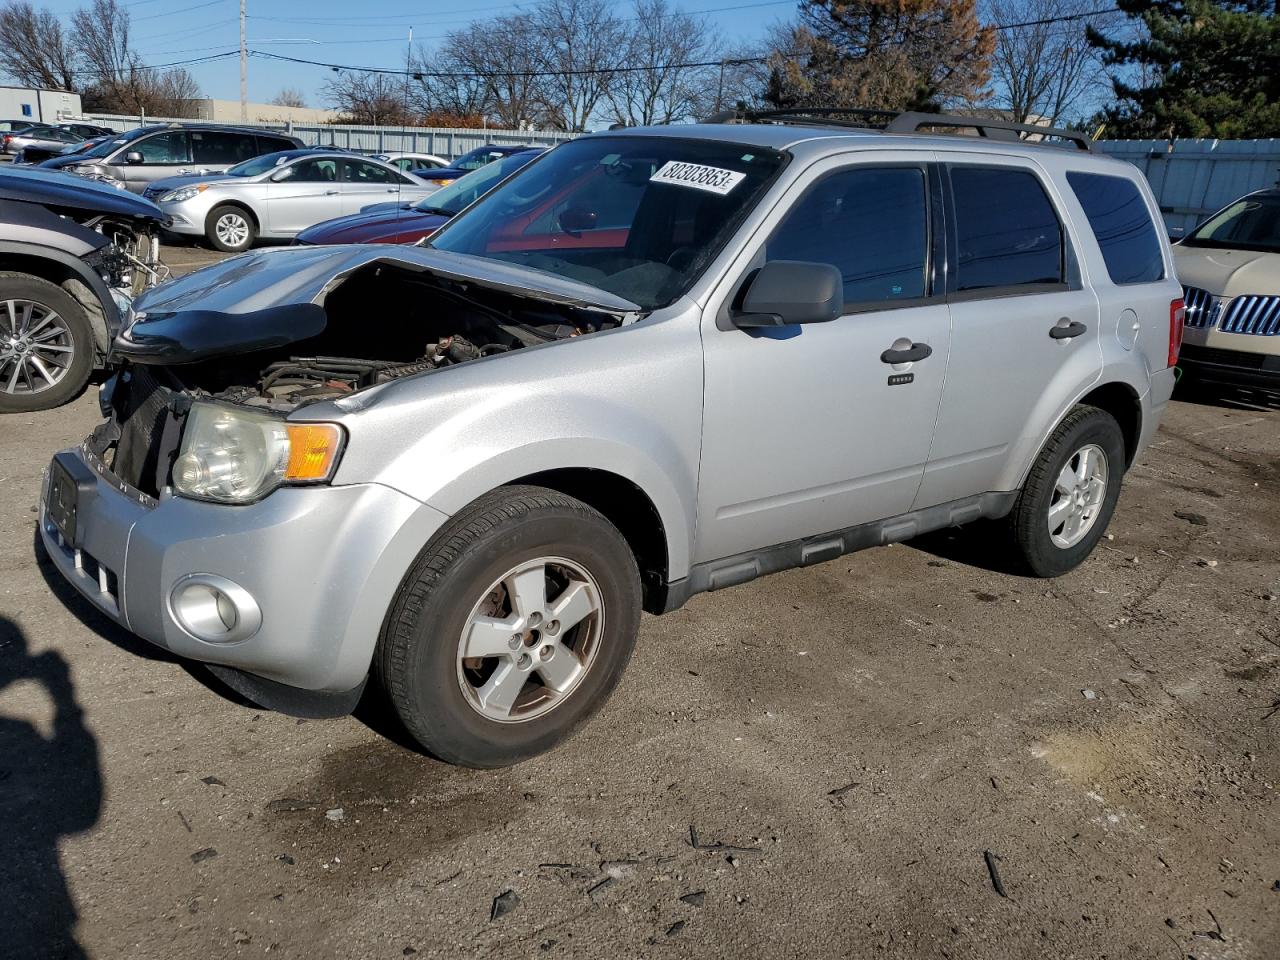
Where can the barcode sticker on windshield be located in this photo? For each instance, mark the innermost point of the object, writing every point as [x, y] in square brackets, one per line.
[711, 179]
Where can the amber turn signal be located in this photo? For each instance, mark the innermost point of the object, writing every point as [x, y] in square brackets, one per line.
[313, 451]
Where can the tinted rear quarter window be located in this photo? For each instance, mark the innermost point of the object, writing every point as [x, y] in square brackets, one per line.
[1007, 232]
[1122, 225]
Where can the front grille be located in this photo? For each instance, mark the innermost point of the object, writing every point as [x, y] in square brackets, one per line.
[1201, 307]
[1256, 315]
[1226, 358]
[148, 431]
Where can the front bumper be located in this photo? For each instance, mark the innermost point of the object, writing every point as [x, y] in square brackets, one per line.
[1237, 367]
[322, 563]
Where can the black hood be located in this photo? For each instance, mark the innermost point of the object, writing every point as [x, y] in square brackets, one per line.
[68, 191]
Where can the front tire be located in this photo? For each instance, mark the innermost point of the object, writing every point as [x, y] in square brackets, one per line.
[1070, 494]
[230, 228]
[511, 629]
[46, 344]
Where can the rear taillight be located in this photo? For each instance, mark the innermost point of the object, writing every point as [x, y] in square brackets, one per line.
[4, 141]
[1177, 310]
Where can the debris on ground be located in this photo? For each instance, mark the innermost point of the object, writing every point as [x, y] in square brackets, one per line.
[1195, 519]
[694, 842]
[675, 928]
[207, 853]
[212, 781]
[992, 869]
[1089, 694]
[503, 904]
[841, 791]
[698, 897]
[1205, 562]
[600, 887]
[335, 815]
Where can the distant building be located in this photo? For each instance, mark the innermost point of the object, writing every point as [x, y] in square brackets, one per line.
[41, 106]
[228, 111]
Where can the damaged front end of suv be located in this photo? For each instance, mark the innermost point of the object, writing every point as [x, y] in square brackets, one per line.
[211, 367]
[73, 256]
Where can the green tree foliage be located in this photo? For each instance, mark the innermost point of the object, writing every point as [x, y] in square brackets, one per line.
[1194, 68]
[890, 54]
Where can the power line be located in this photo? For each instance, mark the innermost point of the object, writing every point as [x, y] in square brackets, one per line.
[168, 13]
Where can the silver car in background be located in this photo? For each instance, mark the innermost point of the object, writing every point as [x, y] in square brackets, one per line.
[50, 139]
[404, 162]
[280, 194]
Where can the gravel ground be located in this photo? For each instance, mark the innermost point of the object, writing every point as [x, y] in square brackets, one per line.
[907, 752]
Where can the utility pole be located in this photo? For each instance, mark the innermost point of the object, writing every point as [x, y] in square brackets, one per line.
[244, 71]
[408, 67]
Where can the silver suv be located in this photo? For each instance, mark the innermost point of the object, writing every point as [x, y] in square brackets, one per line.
[654, 362]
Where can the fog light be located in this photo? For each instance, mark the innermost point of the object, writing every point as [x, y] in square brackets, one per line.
[214, 609]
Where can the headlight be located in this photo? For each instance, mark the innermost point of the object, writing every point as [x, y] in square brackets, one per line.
[237, 456]
[184, 193]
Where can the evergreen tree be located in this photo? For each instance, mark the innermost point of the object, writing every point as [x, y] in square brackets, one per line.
[1198, 68]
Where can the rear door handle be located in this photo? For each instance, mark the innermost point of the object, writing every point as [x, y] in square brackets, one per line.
[917, 351]
[1065, 329]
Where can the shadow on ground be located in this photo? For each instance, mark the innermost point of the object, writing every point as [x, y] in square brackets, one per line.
[50, 788]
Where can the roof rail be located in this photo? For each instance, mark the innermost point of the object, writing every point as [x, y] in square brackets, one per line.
[834, 116]
[994, 129]
[891, 121]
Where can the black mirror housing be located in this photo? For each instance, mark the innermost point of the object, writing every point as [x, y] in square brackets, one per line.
[133, 157]
[784, 292]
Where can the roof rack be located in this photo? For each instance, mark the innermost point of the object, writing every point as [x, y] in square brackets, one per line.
[891, 121]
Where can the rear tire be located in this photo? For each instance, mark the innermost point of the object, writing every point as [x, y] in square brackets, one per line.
[44, 335]
[1070, 494]
[230, 228]
[511, 629]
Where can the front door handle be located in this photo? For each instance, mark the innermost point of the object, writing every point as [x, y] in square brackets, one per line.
[917, 351]
[1066, 329]
[331, 193]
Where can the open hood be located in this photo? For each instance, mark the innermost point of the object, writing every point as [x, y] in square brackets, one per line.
[271, 298]
[75, 193]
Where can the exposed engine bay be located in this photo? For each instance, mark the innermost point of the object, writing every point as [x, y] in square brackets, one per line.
[382, 324]
[131, 261]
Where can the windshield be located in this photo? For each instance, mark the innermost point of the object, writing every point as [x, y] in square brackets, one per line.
[468, 188]
[640, 217]
[251, 168]
[112, 144]
[1251, 223]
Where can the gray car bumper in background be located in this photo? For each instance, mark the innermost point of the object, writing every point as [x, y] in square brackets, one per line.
[320, 563]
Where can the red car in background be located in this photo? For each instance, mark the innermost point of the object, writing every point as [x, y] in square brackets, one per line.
[411, 222]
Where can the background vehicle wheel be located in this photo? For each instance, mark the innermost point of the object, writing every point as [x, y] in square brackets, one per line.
[230, 229]
[46, 344]
[1070, 493]
[511, 629]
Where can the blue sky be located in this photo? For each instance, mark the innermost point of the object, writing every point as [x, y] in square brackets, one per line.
[356, 32]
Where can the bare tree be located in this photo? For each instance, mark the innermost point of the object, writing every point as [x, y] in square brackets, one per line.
[502, 53]
[169, 93]
[1045, 70]
[376, 98]
[447, 88]
[660, 40]
[109, 64]
[36, 51]
[577, 42]
[290, 97]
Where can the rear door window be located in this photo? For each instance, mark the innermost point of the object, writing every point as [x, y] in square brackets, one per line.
[871, 223]
[212, 146]
[1007, 231]
[1122, 225]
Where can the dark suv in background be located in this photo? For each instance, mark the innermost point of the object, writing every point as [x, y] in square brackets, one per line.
[137, 157]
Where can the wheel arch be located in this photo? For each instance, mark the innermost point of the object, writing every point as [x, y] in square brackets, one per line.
[239, 205]
[60, 268]
[624, 504]
[1124, 404]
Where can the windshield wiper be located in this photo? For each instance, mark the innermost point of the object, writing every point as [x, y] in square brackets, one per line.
[440, 210]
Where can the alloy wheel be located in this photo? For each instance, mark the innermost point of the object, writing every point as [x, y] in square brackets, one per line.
[232, 229]
[530, 639]
[1078, 495]
[36, 347]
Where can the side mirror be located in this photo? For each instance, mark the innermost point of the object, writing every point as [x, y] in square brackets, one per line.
[133, 157]
[577, 219]
[280, 176]
[784, 292]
